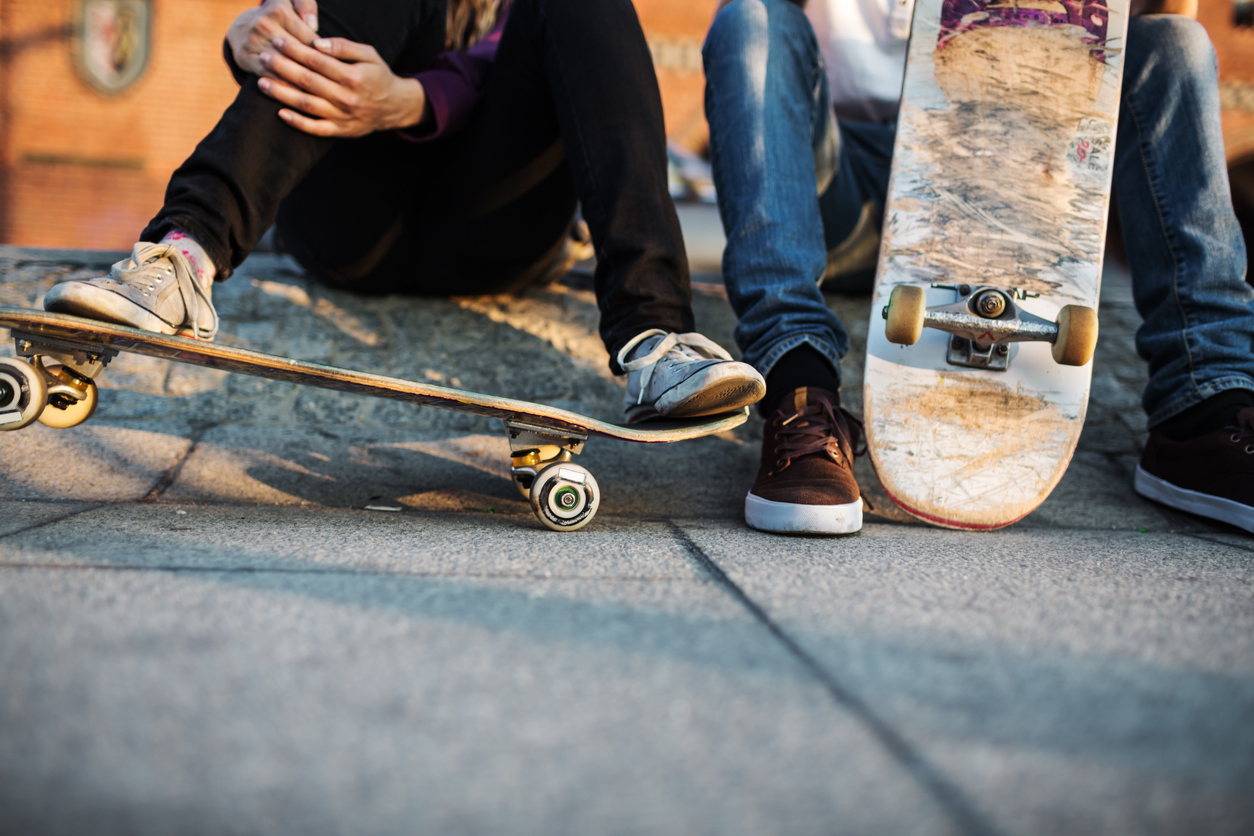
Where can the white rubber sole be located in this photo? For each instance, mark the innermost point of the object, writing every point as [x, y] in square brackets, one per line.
[719, 388]
[790, 518]
[82, 299]
[1202, 504]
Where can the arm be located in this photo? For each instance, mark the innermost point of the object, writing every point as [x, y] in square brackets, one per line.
[339, 88]
[348, 91]
[454, 83]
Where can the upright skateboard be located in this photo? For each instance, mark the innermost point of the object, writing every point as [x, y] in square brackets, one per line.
[55, 385]
[977, 376]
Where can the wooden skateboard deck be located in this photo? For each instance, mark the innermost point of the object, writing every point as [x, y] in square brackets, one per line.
[1000, 187]
[539, 435]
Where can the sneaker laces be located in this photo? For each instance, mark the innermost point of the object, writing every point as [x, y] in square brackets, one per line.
[815, 429]
[686, 347]
[1243, 429]
[141, 271]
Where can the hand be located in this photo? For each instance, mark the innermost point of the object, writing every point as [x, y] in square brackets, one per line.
[340, 88]
[254, 31]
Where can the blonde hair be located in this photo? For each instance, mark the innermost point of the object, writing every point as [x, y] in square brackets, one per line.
[468, 21]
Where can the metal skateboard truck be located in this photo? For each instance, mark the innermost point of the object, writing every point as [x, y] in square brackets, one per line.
[983, 323]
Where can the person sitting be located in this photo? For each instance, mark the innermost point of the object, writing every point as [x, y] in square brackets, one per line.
[437, 147]
[802, 106]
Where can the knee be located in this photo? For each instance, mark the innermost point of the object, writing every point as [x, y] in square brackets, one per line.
[745, 28]
[1175, 41]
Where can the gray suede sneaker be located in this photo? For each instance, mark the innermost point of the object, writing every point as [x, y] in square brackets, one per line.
[156, 289]
[684, 376]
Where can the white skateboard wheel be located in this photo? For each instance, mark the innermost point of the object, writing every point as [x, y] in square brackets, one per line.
[23, 393]
[564, 496]
[74, 414]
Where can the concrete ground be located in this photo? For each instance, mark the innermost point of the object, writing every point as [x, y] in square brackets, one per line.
[202, 630]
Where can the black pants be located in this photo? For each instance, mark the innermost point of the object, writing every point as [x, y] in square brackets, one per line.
[571, 111]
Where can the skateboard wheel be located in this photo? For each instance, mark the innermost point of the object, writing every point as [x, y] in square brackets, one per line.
[564, 496]
[1077, 335]
[23, 393]
[906, 306]
[72, 414]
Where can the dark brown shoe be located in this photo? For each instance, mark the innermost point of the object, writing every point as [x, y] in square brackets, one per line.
[806, 483]
[1211, 476]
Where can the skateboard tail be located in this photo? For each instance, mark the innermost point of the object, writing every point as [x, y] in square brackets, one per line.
[971, 450]
[959, 525]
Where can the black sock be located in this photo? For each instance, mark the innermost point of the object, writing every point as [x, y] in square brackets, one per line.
[803, 366]
[1211, 414]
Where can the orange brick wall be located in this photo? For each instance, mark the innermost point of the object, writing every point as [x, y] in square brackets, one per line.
[675, 30]
[87, 170]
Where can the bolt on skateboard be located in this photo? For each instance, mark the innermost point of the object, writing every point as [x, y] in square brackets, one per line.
[977, 375]
[52, 381]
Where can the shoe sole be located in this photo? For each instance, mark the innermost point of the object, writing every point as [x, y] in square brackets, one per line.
[1194, 502]
[720, 388]
[792, 518]
[81, 299]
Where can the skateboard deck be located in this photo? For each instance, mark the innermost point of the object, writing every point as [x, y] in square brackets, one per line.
[543, 439]
[977, 376]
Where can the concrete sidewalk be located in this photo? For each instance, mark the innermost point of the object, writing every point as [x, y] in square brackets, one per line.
[203, 631]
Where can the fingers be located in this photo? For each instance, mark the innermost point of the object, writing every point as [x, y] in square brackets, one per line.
[308, 11]
[297, 26]
[314, 60]
[317, 127]
[308, 80]
[346, 50]
[299, 99]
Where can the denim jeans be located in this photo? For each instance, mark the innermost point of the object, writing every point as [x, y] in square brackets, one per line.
[771, 146]
[572, 85]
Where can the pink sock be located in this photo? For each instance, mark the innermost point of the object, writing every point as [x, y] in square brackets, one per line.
[195, 253]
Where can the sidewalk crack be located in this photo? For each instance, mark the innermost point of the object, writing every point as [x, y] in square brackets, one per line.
[38, 525]
[167, 479]
[948, 796]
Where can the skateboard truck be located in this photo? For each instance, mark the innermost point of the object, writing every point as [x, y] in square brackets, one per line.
[58, 396]
[983, 323]
[563, 495]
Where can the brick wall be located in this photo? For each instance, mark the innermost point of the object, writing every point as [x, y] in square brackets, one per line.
[84, 169]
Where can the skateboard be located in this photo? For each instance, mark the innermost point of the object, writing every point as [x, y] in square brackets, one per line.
[984, 314]
[53, 381]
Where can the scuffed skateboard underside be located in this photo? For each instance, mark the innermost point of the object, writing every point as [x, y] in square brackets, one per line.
[1001, 176]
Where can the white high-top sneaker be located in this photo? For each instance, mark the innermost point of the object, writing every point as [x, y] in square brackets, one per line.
[684, 376]
[156, 289]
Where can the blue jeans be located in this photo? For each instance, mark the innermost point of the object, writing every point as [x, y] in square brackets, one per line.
[792, 184]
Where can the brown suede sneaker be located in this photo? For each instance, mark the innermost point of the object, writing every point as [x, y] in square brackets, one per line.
[806, 483]
[1211, 476]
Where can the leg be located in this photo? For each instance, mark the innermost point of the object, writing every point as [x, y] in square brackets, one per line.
[591, 57]
[853, 205]
[766, 102]
[227, 193]
[1188, 269]
[1185, 247]
[773, 149]
[572, 109]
